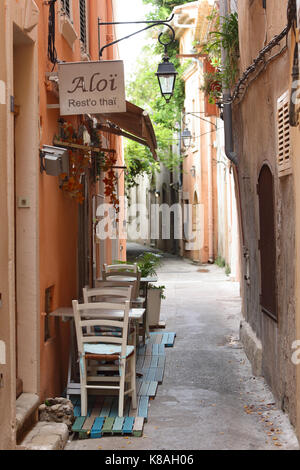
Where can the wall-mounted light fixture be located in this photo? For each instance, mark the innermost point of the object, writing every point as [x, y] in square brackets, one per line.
[166, 72]
[186, 138]
[54, 160]
[186, 135]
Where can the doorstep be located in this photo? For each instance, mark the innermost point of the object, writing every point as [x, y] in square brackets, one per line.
[46, 436]
[26, 412]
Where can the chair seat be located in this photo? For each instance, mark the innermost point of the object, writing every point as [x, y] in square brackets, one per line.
[106, 349]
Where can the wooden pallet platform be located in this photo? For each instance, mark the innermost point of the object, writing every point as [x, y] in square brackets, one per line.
[165, 338]
[102, 416]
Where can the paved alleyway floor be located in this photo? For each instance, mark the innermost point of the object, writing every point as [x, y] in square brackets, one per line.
[209, 399]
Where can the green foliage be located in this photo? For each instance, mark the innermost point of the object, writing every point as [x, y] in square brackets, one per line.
[148, 263]
[143, 90]
[225, 36]
[220, 262]
[227, 270]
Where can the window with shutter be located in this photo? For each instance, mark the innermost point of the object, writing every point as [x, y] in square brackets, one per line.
[83, 23]
[283, 135]
[66, 7]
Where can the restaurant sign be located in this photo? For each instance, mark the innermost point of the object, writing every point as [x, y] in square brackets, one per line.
[91, 87]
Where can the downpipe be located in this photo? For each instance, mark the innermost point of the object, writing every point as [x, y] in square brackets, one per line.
[227, 106]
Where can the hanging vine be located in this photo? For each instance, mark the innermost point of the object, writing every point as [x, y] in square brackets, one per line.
[81, 160]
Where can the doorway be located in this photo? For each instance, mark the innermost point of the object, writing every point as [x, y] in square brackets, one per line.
[267, 243]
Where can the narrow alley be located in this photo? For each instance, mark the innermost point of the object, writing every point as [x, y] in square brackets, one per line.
[209, 399]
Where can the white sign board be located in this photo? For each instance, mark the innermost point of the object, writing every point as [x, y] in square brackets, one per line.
[91, 87]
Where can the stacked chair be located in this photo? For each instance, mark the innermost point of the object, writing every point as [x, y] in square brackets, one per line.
[106, 344]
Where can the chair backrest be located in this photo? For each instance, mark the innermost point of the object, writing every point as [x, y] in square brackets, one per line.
[126, 276]
[85, 325]
[117, 284]
[108, 268]
[99, 294]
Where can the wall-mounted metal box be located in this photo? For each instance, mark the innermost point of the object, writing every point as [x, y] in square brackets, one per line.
[55, 160]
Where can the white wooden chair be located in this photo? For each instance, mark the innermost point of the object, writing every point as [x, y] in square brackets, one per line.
[108, 268]
[111, 349]
[118, 283]
[126, 276]
[101, 294]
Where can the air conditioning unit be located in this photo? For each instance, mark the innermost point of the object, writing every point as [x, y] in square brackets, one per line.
[54, 160]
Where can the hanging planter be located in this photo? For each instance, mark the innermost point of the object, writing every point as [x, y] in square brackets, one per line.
[212, 86]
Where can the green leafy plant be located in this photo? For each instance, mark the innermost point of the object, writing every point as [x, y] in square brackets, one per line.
[227, 270]
[220, 261]
[225, 36]
[148, 263]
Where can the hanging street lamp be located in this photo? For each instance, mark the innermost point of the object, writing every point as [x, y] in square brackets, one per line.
[166, 72]
[166, 75]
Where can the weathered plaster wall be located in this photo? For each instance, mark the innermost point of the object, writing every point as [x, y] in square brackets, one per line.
[7, 320]
[256, 142]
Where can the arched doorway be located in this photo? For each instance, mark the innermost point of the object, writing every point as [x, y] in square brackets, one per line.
[267, 242]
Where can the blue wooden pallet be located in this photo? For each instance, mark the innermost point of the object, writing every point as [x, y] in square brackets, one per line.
[108, 422]
[167, 339]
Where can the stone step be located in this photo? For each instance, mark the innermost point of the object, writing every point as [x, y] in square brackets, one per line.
[46, 436]
[26, 413]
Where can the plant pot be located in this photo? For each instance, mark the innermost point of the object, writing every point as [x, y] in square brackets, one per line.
[153, 306]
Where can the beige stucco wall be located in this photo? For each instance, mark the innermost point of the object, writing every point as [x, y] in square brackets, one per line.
[255, 133]
[18, 173]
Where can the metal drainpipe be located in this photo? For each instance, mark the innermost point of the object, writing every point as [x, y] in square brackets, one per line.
[210, 201]
[227, 109]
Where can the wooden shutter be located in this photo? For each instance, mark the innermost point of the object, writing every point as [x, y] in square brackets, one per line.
[283, 135]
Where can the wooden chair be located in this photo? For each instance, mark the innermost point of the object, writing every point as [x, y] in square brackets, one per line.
[108, 268]
[101, 294]
[126, 276]
[111, 349]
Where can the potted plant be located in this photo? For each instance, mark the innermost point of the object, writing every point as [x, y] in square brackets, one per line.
[148, 263]
[155, 295]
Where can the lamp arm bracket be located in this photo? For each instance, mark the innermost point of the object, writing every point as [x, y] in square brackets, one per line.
[150, 24]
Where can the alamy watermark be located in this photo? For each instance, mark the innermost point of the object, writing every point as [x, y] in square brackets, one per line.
[159, 221]
[296, 353]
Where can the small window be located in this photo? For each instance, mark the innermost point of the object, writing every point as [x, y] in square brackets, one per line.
[83, 23]
[66, 7]
[283, 134]
[49, 322]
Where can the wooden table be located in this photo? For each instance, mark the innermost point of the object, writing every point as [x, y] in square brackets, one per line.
[67, 314]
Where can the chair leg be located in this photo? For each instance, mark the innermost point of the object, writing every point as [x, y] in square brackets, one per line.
[83, 389]
[122, 387]
[133, 382]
